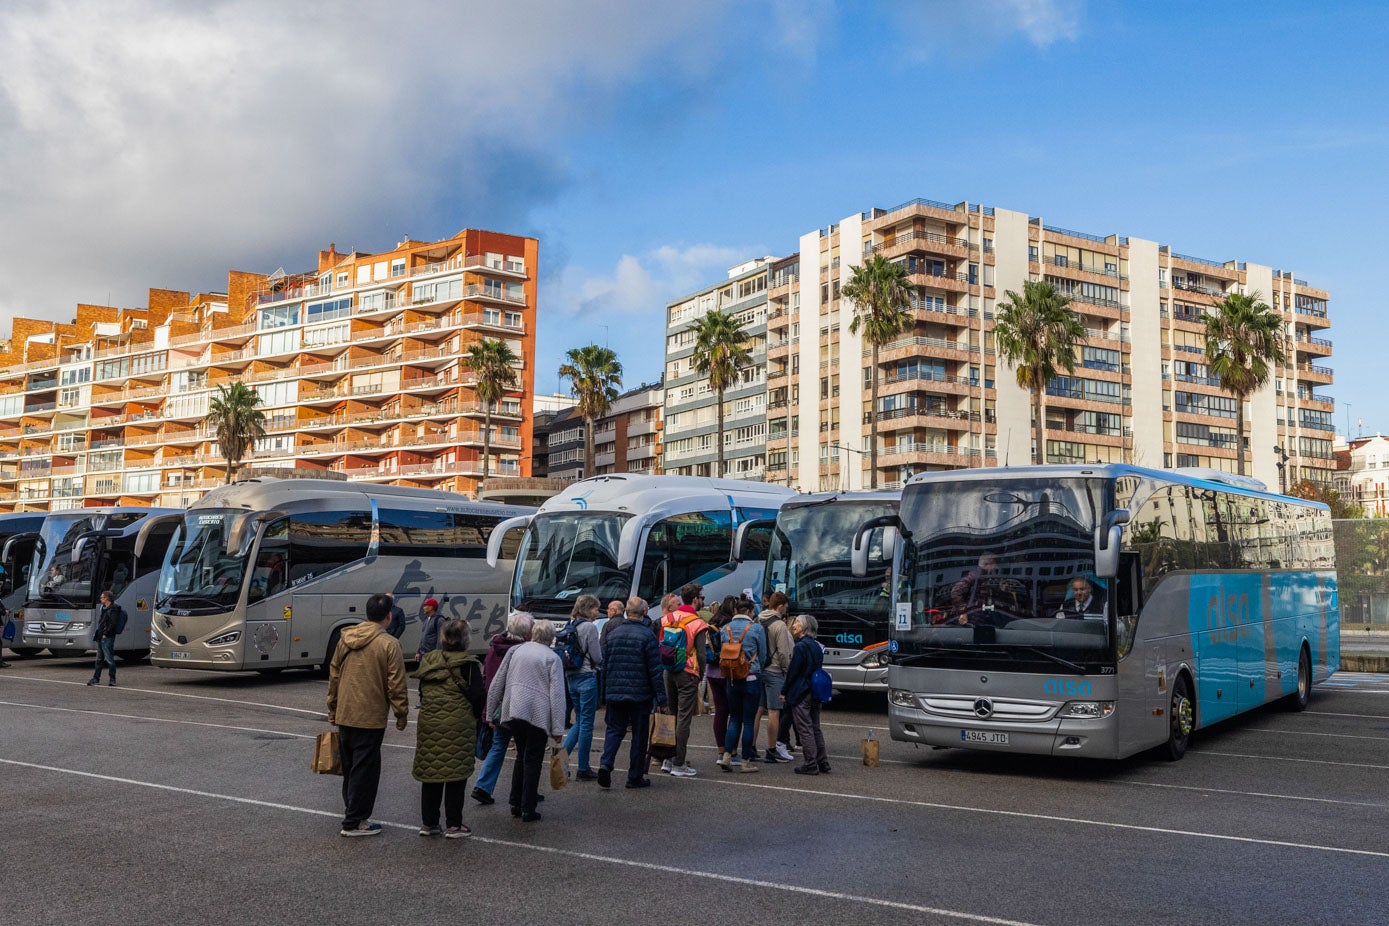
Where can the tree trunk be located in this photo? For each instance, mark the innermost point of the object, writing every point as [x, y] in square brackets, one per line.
[231, 470]
[486, 440]
[588, 447]
[872, 424]
[1239, 435]
[718, 469]
[1039, 452]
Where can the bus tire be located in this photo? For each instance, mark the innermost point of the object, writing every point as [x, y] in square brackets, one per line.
[25, 652]
[1181, 719]
[133, 655]
[332, 648]
[1302, 694]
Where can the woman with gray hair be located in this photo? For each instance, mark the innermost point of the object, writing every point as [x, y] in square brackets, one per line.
[527, 697]
[807, 657]
[493, 740]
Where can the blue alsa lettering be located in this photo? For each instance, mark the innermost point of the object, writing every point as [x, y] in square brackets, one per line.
[1066, 686]
[848, 638]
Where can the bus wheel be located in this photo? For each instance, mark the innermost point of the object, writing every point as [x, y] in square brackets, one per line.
[1297, 701]
[332, 648]
[26, 652]
[1181, 719]
[133, 655]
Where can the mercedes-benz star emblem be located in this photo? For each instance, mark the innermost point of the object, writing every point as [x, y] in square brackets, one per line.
[983, 707]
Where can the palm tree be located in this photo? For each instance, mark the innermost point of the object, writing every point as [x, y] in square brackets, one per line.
[1243, 336]
[720, 351]
[594, 375]
[882, 300]
[1038, 334]
[234, 417]
[493, 361]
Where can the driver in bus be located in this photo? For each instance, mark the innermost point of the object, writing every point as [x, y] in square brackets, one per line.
[983, 596]
[1084, 601]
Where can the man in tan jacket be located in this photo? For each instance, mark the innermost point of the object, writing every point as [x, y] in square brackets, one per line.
[366, 679]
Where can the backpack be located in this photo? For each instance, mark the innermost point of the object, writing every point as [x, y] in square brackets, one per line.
[821, 686]
[674, 646]
[733, 660]
[569, 647]
[121, 617]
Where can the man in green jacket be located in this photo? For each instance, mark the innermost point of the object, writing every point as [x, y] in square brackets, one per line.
[366, 679]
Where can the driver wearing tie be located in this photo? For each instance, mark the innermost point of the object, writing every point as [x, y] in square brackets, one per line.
[1083, 602]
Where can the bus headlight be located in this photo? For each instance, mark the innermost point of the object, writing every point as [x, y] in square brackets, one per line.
[1089, 709]
[877, 660]
[901, 697]
[225, 638]
[79, 625]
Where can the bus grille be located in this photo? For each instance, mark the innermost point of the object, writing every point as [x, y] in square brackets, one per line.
[1005, 710]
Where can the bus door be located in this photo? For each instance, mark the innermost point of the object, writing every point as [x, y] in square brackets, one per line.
[270, 612]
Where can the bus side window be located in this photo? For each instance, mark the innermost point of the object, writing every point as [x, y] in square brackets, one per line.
[682, 548]
[272, 561]
[320, 541]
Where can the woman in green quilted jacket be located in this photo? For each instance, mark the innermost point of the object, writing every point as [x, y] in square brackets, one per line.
[452, 697]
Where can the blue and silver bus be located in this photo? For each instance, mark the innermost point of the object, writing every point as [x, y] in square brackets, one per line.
[1100, 611]
[19, 534]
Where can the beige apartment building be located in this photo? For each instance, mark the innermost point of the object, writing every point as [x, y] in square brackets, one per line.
[359, 363]
[1142, 392]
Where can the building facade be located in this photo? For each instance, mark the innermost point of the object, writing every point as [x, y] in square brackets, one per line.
[691, 406]
[359, 364]
[625, 440]
[1362, 474]
[1142, 391]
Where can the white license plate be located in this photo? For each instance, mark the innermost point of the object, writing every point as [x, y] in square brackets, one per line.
[984, 736]
[45, 640]
[175, 654]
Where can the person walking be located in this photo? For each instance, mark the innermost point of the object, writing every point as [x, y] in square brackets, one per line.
[366, 681]
[713, 674]
[431, 621]
[527, 695]
[684, 634]
[495, 739]
[632, 680]
[582, 682]
[110, 624]
[779, 644]
[452, 696]
[744, 695]
[806, 658]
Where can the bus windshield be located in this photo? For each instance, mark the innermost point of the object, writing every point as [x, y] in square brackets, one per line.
[810, 560]
[61, 579]
[200, 574]
[563, 556]
[1001, 575]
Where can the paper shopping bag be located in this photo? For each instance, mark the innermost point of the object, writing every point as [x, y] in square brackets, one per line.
[870, 750]
[661, 745]
[559, 771]
[326, 758]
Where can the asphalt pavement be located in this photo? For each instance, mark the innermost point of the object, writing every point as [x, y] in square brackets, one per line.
[186, 797]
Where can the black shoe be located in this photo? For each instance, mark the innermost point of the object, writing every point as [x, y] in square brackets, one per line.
[605, 777]
[583, 775]
[112, 683]
[772, 758]
[539, 798]
[95, 681]
[824, 768]
[482, 797]
[3, 664]
[530, 817]
[639, 783]
[807, 770]
[515, 811]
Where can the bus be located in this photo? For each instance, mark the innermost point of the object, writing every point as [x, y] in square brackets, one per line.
[1101, 611]
[622, 535]
[19, 534]
[80, 553]
[264, 574]
[810, 560]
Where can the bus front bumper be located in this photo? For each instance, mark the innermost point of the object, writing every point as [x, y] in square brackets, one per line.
[1092, 738]
[167, 652]
[71, 637]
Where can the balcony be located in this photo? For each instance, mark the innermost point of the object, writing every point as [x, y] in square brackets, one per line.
[1190, 287]
[492, 294]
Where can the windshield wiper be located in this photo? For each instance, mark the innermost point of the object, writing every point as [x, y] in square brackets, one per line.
[912, 658]
[1055, 658]
[182, 599]
[50, 596]
[829, 611]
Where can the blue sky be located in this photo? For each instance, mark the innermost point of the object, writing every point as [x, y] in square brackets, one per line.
[651, 147]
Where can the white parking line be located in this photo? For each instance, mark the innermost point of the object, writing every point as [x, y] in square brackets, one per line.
[1279, 797]
[550, 850]
[1339, 714]
[1241, 755]
[172, 694]
[1342, 736]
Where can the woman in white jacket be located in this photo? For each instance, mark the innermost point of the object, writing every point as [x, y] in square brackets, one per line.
[527, 697]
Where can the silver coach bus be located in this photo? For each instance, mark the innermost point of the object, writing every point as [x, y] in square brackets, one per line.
[19, 534]
[264, 574]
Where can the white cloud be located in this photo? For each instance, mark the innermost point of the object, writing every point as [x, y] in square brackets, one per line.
[643, 285]
[965, 29]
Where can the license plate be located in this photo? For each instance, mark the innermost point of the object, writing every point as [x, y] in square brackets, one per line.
[984, 736]
[45, 640]
[175, 654]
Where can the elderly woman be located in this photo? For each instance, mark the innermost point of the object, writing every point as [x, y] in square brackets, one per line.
[451, 700]
[527, 697]
[495, 739]
[807, 656]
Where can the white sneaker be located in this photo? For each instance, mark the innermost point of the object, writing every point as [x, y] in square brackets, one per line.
[784, 753]
[667, 766]
[684, 771]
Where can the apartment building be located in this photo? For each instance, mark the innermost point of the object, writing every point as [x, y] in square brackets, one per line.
[359, 363]
[625, 440]
[1142, 391]
[1362, 473]
[691, 419]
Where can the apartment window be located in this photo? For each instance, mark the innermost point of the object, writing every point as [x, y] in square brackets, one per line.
[343, 278]
[398, 267]
[279, 316]
[1032, 253]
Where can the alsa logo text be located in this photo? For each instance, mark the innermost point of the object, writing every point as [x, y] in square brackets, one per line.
[1066, 686]
[848, 638]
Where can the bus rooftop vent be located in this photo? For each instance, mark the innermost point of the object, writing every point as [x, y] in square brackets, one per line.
[1218, 475]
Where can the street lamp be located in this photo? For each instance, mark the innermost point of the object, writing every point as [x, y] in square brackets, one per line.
[843, 472]
[1282, 471]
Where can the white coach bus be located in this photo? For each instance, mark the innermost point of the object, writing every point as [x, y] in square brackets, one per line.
[19, 534]
[264, 574]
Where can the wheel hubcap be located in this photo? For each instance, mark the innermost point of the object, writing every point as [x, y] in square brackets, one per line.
[1181, 715]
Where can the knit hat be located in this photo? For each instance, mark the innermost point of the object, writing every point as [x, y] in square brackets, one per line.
[432, 603]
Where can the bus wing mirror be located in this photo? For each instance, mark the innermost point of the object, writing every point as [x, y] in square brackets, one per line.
[10, 544]
[858, 554]
[629, 539]
[741, 547]
[1107, 540]
[148, 528]
[242, 530]
[498, 537]
[890, 538]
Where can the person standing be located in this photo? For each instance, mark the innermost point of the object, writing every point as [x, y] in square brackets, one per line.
[366, 681]
[806, 658]
[452, 695]
[396, 626]
[632, 680]
[109, 625]
[496, 738]
[582, 682]
[430, 623]
[527, 695]
[713, 675]
[779, 644]
[682, 679]
[744, 695]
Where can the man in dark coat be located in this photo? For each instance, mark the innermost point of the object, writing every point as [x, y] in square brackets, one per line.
[109, 625]
[632, 683]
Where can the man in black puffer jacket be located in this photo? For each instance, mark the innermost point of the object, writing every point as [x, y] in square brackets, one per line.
[632, 683]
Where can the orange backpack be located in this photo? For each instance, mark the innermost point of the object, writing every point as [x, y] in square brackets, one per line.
[733, 660]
